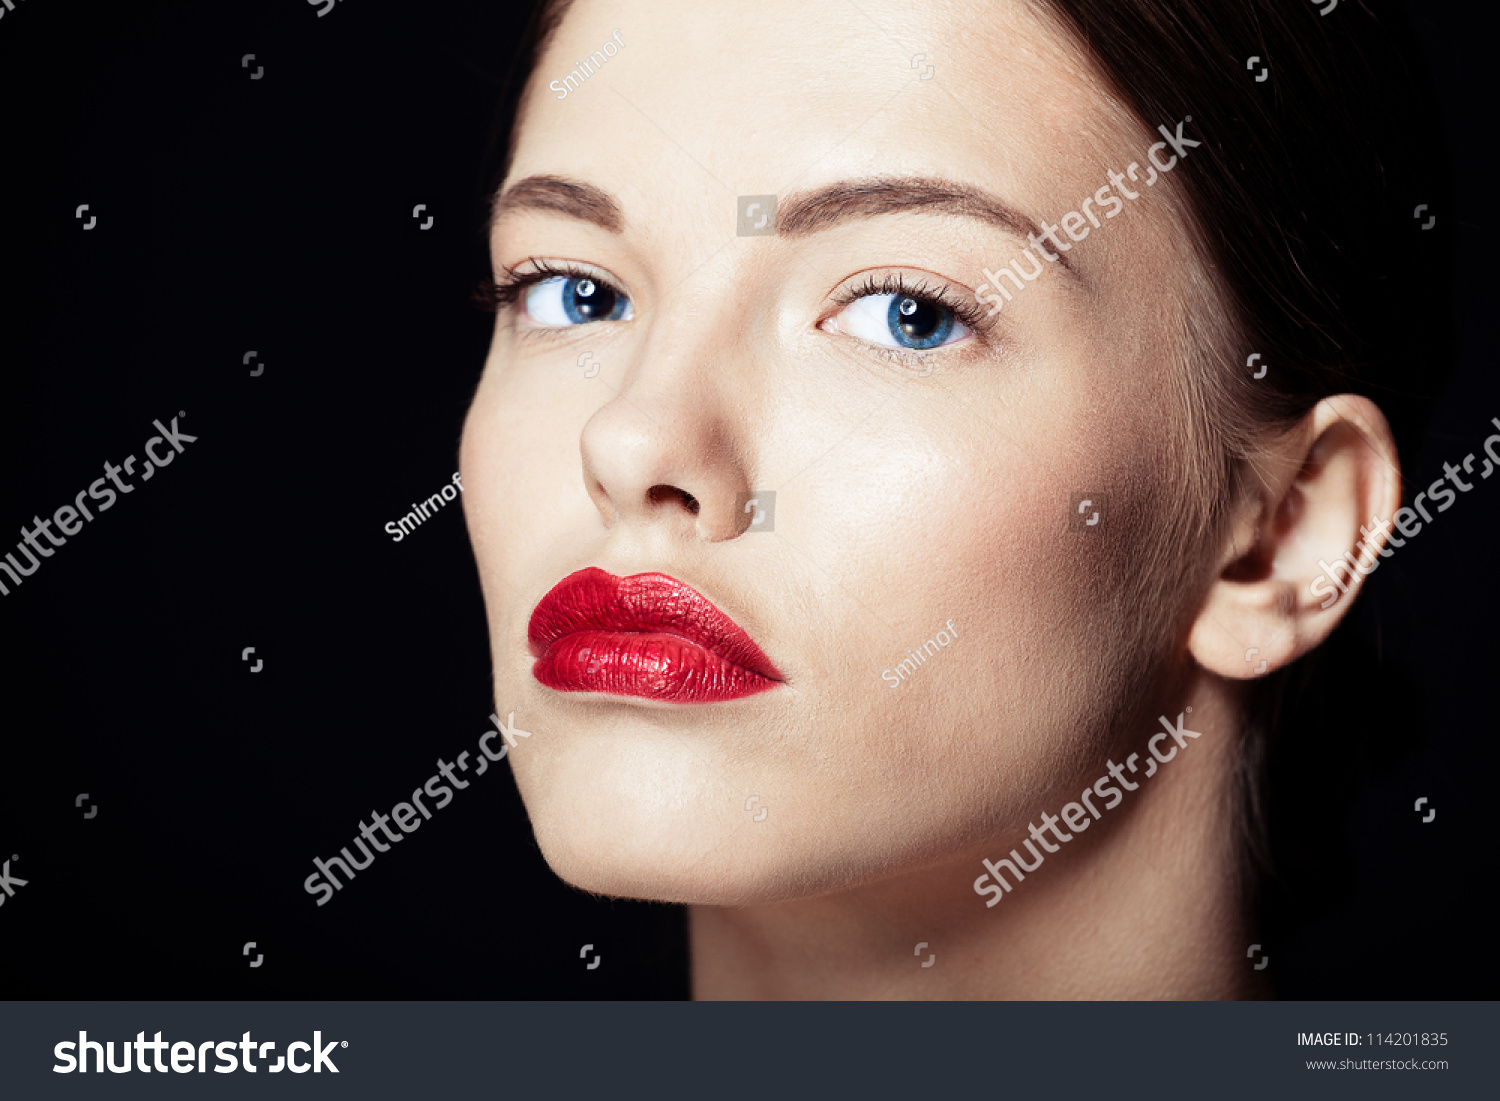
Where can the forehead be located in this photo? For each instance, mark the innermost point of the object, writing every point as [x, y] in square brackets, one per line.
[702, 100]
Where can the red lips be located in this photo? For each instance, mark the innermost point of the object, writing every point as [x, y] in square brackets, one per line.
[646, 635]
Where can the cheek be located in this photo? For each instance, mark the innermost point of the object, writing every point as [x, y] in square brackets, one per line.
[914, 525]
[521, 465]
[502, 458]
[979, 528]
[1064, 531]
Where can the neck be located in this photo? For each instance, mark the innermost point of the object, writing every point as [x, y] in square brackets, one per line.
[1147, 907]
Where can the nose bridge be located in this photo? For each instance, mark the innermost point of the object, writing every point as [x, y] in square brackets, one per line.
[673, 445]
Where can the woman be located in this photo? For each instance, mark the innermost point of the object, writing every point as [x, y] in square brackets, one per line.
[903, 580]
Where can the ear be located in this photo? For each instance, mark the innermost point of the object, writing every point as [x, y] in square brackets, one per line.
[1298, 548]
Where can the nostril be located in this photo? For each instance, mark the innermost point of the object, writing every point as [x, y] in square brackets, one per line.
[663, 493]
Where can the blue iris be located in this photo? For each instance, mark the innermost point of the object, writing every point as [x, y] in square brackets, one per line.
[586, 299]
[917, 323]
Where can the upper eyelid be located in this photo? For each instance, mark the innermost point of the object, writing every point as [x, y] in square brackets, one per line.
[542, 269]
[949, 295]
[852, 286]
[506, 290]
[871, 281]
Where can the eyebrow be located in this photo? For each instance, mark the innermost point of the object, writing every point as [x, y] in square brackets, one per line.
[814, 211]
[557, 195]
[799, 214]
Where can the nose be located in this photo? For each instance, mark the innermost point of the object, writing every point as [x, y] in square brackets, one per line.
[665, 452]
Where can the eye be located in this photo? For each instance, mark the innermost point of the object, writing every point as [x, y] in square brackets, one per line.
[901, 320]
[563, 300]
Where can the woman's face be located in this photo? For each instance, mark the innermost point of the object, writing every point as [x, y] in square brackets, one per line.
[928, 465]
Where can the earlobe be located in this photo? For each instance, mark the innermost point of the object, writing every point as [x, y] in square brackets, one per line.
[1297, 554]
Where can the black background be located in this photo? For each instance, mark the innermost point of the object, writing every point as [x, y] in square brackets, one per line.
[275, 215]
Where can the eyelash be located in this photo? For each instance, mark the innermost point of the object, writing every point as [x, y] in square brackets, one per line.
[499, 294]
[943, 295]
[496, 295]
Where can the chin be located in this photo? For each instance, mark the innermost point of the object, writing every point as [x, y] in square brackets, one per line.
[619, 846]
[706, 868]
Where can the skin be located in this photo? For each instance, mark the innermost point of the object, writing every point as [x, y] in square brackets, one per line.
[908, 492]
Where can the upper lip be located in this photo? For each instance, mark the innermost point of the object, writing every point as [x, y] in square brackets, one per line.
[595, 600]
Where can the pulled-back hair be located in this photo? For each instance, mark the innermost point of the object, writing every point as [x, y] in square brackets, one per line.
[1303, 196]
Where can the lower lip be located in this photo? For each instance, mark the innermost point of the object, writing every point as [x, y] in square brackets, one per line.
[652, 666]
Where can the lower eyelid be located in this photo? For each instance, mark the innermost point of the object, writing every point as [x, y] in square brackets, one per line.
[916, 355]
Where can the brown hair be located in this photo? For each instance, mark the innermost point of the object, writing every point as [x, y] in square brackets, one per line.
[1304, 193]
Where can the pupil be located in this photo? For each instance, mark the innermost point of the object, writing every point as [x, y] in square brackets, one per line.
[918, 322]
[918, 319]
